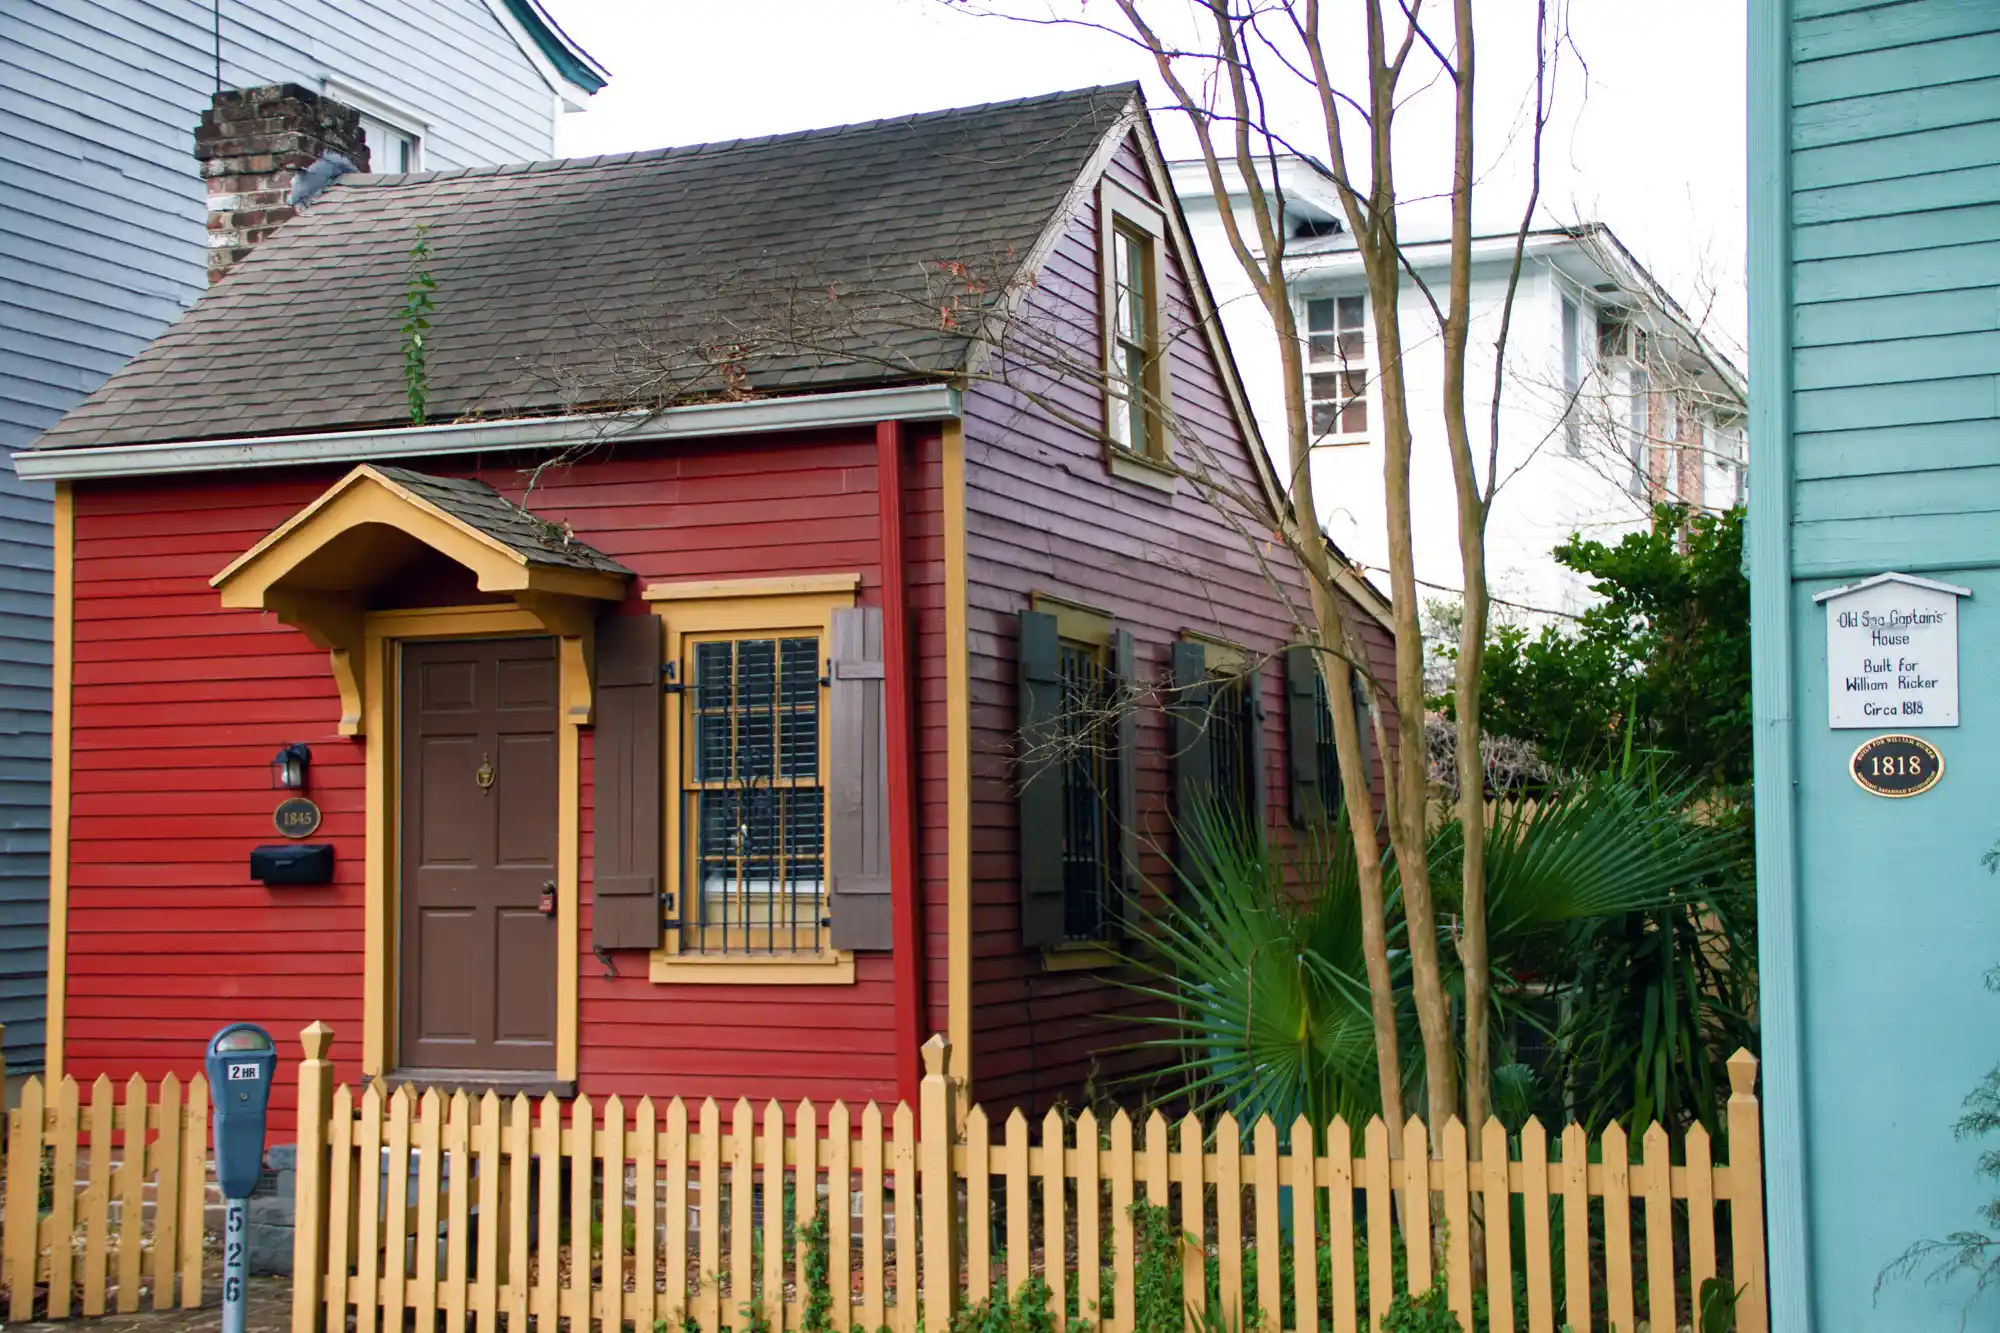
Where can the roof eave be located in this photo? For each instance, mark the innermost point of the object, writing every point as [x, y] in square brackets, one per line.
[921, 402]
[570, 71]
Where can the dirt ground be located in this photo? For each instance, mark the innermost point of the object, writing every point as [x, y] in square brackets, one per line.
[270, 1311]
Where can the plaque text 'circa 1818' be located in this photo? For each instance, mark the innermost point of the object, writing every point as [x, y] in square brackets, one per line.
[1897, 765]
[1892, 652]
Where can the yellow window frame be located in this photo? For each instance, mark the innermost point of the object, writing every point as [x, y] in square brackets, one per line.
[714, 610]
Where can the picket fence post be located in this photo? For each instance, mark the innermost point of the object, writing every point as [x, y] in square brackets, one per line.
[937, 1130]
[309, 1201]
[1746, 1199]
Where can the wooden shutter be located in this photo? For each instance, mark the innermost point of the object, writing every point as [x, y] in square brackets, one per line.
[1254, 753]
[1040, 838]
[857, 786]
[1125, 757]
[625, 847]
[1365, 729]
[1193, 772]
[1302, 694]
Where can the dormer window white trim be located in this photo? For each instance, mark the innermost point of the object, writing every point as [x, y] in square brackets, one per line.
[395, 133]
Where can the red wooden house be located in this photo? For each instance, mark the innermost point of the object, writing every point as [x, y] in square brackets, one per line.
[663, 692]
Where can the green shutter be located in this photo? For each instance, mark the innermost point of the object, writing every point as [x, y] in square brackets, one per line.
[1040, 837]
[1302, 705]
[1253, 751]
[1125, 758]
[1188, 734]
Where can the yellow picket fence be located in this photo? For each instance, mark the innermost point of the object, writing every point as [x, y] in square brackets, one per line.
[487, 1211]
[104, 1197]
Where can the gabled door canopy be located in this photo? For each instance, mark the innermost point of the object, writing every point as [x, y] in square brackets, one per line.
[319, 569]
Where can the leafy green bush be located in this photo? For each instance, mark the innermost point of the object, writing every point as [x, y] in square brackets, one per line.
[1158, 1297]
[1259, 958]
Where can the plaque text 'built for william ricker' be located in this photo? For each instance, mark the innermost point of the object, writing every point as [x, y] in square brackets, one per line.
[1892, 652]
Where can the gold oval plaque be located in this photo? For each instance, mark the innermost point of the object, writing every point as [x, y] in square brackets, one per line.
[296, 817]
[1897, 765]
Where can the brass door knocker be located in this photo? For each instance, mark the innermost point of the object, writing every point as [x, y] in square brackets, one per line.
[484, 777]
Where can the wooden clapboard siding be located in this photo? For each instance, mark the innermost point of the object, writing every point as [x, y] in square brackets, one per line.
[180, 704]
[1895, 273]
[1044, 515]
[1874, 157]
[924, 590]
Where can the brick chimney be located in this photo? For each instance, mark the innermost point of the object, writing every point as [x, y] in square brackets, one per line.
[254, 144]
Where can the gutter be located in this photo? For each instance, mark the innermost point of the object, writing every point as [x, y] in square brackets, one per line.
[865, 407]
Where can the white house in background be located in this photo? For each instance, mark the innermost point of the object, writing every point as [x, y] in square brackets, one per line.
[1612, 397]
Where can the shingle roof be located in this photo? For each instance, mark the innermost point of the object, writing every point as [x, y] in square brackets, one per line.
[478, 505]
[605, 280]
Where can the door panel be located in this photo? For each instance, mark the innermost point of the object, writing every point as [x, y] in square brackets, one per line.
[526, 999]
[526, 836]
[478, 841]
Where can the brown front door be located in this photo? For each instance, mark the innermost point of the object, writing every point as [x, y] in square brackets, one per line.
[478, 844]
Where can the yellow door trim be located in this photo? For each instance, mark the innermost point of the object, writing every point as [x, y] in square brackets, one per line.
[384, 630]
[63, 634]
[958, 768]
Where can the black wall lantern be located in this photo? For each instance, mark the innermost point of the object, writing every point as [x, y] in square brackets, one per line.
[288, 767]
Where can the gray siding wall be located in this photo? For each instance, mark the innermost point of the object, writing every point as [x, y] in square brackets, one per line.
[102, 245]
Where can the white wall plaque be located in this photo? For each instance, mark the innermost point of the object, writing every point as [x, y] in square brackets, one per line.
[1892, 652]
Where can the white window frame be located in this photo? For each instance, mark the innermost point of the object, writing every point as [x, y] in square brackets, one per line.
[379, 113]
[1341, 364]
[1571, 335]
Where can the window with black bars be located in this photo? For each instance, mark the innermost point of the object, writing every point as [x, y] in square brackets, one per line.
[753, 804]
[1232, 745]
[1090, 794]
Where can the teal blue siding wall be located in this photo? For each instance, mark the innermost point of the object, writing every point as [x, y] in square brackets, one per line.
[1875, 280]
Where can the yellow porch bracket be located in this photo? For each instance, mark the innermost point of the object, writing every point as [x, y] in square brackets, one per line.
[320, 570]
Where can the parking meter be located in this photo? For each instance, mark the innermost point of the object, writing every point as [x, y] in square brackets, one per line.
[241, 1060]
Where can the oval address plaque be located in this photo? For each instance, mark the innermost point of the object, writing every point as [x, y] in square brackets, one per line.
[296, 817]
[1897, 765]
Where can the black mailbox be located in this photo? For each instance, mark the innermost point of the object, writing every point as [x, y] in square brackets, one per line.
[293, 863]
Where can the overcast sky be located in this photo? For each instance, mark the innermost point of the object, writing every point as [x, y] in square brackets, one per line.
[1647, 137]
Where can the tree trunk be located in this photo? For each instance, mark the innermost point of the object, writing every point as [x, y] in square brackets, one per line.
[1472, 945]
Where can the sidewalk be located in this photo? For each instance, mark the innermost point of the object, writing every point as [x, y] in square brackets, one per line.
[270, 1311]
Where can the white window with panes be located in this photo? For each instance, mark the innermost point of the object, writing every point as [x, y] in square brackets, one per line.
[1134, 307]
[1338, 374]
